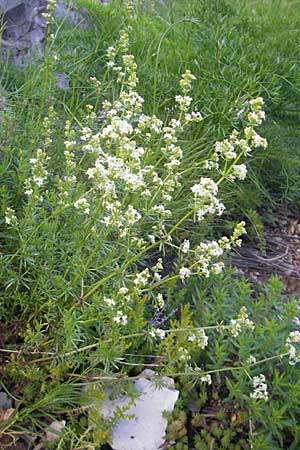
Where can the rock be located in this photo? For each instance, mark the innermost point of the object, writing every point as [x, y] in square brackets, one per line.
[146, 431]
[67, 11]
[6, 5]
[62, 81]
[25, 29]
[5, 401]
[54, 430]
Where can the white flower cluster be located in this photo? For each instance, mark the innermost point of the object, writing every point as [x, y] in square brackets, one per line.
[251, 360]
[38, 170]
[260, 388]
[183, 354]
[121, 151]
[206, 254]
[199, 338]
[10, 217]
[200, 376]
[83, 205]
[157, 333]
[206, 379]
[205, 198]
[231, 150]
[120, 318]
[50, 9]
[241, 323]
[293, 345]
[159, 301]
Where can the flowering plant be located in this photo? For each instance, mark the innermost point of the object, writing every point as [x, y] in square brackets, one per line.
[108, 209]
[95, 236]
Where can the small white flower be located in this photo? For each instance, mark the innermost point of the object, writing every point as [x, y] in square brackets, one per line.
[183, 354]
[10, 217]
[120, 318]
[184, 273]
[242, 322]
[260, 391]
[185, 246]
[259, 141]
[240, 171]
[109, 301]
[157, 333]
[123, 290]
[251, 360]
[83, 205]
[206, 379]
[293, 346]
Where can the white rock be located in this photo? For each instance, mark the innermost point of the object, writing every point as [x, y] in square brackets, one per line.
[146, 431]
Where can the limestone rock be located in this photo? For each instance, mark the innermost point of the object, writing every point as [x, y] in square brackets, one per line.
[24, 28]
[146, 431]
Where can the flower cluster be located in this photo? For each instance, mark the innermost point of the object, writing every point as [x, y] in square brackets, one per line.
[260, 388]
[205, 257]
[199, 338]
[228, 152]
[205, 198]
[10, 217]
[293, 345]
[50, 9]
[39, 172]
[241, 323]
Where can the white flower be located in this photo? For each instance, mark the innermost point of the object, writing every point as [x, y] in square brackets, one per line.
[258, 141]
[206, 379]
[256, 118]
[141, 279]
[260, 391]
[132, 215]
[120, 318]
[293, 346]
[183, 354]
[83, 205]
[207, 188]
[217, 268]
[256, 103]
[10, 217]
[184, 273]
[225, 149]
[159, 302]
[251, 360]
[242, 322]
[185, 246]
[240, 171]
[199, 338]
[109, 301]
[157, 333]
[123, 290]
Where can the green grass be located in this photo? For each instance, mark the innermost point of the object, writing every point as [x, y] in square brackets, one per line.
[237, 50]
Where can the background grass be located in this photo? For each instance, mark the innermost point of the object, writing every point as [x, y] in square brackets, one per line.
[237, 50]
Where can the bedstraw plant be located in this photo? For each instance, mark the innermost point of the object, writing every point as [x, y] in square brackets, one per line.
[93, 249]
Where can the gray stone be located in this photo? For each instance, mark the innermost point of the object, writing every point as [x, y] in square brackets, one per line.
[5, 401]
[67, 11]
[6, 5]
[24, 28]
[62, 81]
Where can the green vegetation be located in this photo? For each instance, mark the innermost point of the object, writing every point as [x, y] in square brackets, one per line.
[89, 204]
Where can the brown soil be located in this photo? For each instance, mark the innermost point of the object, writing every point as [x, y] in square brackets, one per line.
[277, 254]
